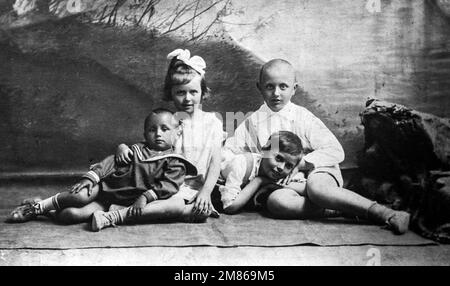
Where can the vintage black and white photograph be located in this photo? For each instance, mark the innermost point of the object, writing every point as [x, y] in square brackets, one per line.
[224, 133]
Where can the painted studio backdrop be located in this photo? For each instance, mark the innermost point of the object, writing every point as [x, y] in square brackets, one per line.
[78, 76]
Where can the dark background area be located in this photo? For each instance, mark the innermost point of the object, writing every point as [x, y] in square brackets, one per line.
[71, 90]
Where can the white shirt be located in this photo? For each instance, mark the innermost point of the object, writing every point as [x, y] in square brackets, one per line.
[234, 172]
[320, 145]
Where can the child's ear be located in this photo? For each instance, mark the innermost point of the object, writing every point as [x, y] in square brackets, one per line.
[294, 89]
[258, 86]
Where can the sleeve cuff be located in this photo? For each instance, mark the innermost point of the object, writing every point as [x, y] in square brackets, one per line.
[228, 195]
[150, 195]
[91, 175]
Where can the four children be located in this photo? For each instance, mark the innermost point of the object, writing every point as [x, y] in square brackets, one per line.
[295, 174]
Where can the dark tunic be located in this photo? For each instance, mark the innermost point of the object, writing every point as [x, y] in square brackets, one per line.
[154, 174]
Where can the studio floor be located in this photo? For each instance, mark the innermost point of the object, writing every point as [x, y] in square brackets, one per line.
[247, 239]
[357, 255]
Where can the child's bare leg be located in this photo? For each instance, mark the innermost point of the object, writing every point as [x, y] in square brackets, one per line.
[172, 209]
[244, 196]
[77, 200]
[72, 215]
[288, 204]
[189, 215]
[323, 191]
[169, 209]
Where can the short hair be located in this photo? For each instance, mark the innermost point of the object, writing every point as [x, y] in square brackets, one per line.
[180, 73]
[288, 142]
[272, 63]
[159, 110]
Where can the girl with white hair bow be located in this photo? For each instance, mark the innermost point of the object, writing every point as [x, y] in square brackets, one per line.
[201, 138]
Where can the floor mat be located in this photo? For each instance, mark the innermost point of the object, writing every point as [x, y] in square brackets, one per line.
[246, 229]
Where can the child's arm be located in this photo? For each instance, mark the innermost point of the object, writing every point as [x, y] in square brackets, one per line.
[124, 154]
[203, 202]
[101, 170]
[245, 195]
[96, 173]
[327, 151]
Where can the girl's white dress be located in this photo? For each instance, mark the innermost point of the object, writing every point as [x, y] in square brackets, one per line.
[202, 133]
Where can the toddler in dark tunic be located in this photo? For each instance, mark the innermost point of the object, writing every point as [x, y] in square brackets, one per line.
[155, 173]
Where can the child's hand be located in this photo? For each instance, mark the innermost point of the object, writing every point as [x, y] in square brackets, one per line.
[123, 155]
[203, 205]
[84, 183]
[136, 208]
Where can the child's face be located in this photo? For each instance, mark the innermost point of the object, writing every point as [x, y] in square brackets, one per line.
[187, 97]
[277, 86]
[277, 165]
[161, 131]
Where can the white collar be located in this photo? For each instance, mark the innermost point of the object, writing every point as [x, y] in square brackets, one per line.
[265, 112]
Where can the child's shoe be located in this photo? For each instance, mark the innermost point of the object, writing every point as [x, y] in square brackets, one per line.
[398, 221]
[101, 219]
[23, 213]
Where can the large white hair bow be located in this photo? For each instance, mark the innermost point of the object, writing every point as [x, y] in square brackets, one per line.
[196, 62]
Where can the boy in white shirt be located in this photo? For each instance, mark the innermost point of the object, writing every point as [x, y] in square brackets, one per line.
[323, 153]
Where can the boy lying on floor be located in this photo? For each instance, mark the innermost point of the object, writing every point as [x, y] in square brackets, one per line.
[246, 173]
[149, 181]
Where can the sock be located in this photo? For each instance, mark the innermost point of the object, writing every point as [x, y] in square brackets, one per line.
[118, 216]
[397, 220]
[378, 213]
[48, 204]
